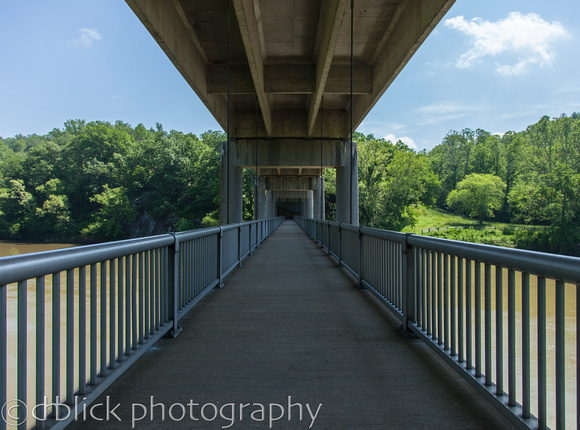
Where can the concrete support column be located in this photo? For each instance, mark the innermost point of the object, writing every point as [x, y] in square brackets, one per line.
[309, 199]
[347, 188]
[274, 204]
[318, 197]
[268, 206]
[231, 181]
[260, 202]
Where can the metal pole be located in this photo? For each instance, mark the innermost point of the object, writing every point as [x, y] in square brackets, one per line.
[351, 102]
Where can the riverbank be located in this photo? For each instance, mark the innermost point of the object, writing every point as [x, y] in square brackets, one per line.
[439, 223]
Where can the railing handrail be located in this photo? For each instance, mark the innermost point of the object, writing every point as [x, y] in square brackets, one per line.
[140, 288]
[562, 267]
[25, 266]
[445, 292]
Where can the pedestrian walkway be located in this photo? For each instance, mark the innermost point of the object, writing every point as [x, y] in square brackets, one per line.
[290, 343]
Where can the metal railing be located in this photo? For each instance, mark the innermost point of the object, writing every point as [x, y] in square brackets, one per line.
[96, 309]
[505, 319]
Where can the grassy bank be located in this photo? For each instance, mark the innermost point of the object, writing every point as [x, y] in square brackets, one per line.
[430, 218]
[439, 223]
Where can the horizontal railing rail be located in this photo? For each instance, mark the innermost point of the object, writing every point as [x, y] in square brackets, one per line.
[73, 320]
[505, 319]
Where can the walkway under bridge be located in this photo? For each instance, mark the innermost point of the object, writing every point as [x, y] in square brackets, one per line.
[357, 328]
[290, 325]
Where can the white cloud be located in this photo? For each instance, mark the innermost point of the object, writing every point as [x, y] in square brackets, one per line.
[405, 139]
[87, 37]
[437, 113]
[528, 37]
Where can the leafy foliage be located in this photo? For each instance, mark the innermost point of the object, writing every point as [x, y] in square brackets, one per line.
[477, 195]
[99, 181]
[539, 166]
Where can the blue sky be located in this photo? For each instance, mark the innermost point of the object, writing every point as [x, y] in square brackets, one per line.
[496, 65]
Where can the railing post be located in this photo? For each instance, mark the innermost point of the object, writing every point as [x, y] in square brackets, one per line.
[339, 245]
[220, 244]
[174, 285]
[360, 259]
[409, 289]
[240, 245]
[250, 239]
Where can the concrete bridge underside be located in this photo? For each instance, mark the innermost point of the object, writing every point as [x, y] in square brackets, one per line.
[289, 323]
[288, 81]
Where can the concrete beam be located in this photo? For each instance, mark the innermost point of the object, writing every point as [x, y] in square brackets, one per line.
[279, 155]
[289, 79]
[332, 15]
[166, 22]
[289, 123]
[249, 29]
[415, 22]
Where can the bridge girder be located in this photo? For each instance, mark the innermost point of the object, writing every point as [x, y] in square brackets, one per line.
[285, 55]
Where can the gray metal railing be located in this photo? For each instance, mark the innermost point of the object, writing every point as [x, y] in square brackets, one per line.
[96, 309]
[505, 319]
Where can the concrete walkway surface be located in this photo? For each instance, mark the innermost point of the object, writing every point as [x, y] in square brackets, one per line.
[290, 343]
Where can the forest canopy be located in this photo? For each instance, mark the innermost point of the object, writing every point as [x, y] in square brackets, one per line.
[95, 181]
[102, 181]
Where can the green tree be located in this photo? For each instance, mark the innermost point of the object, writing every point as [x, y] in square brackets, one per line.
[477, 195]
[393, 180]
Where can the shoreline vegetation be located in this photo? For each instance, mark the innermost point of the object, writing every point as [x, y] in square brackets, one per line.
[96, 181]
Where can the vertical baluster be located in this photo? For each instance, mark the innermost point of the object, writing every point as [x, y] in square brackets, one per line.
[421, 285]
[499, 330]
[164, 284]
[140, 302]
[56, 347]
[526, 383]
[103, 349]
[560, 355]
[429, 305]
[460, 326]
[150, 294]
[112, 308]
[158, 271]
[453, 306]
[128, 289]
[542, 351]
[439, 300]
[468, 319]
[70, 335]
[477, 306]
[93, 326]
[434, 295]
[120, 307]
[446, 342]
[512, 337]
[488, 357]
[22, 370]
[134, 310]
[40, 347]
[82, 330]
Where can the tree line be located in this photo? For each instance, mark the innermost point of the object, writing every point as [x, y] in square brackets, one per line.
[99, 181]
[528, 177]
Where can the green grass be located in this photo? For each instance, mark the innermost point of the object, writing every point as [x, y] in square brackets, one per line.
[535, 238]
[438, 218]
